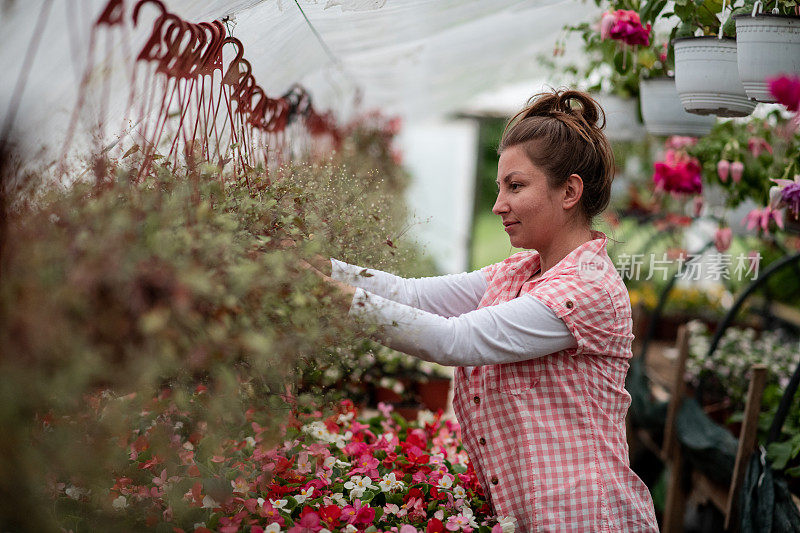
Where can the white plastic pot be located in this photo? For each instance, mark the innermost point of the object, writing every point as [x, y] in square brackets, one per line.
[663, 113]
[767, 45]
[707, 77]
[622, 117]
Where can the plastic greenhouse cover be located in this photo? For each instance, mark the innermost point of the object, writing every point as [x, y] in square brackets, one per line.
[421, 59]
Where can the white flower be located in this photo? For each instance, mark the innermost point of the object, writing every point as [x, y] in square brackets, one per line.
[278, 504]
[350, 528]
[251, 442]
[338, 497]
[459, 493]
[273, 528]
[344, 418]
[508, 523]
[260, 501]
[323, 530]
[446, 482]
[209, 503]
[76, 493]
[199, 524]
[304, 495]
[120, 502]
[390, 483]
[425, 417]
[358, 484]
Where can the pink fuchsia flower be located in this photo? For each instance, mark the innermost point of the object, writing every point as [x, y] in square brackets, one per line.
[723, 238]
[723, 169]
[628, 28]
[678, 173]
[786, 90]
[761, 218]
[606, 23]
[757, 145]
[678, 142]
[737, 170]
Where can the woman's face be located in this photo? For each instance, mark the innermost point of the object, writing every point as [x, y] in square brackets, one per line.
[529, 209]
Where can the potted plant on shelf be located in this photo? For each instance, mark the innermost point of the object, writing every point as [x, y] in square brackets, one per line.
[706, 67]
[767, 45]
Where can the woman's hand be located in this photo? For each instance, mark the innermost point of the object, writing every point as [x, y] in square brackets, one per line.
[320, 263]
[346, 291]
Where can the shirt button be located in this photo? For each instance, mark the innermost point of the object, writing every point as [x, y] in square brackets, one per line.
[494, 480]
[482, 441]
[477, 400]
[569, 304]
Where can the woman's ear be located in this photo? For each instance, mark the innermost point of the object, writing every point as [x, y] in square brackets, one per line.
[573, 190]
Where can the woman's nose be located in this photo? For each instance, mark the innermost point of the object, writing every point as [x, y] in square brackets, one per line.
[500, 205]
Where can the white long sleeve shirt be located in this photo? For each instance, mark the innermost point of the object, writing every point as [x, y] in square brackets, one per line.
[436, 318]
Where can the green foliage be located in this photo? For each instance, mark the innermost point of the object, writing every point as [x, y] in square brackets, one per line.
[172, 284]
[768, 148]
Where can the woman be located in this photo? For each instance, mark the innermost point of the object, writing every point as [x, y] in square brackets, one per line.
[541, 340]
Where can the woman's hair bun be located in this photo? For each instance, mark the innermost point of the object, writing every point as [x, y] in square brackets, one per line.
[569, 102]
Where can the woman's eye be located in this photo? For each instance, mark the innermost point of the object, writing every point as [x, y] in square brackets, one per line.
[515, 186]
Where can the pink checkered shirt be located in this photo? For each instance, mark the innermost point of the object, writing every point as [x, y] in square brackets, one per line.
[547, 436]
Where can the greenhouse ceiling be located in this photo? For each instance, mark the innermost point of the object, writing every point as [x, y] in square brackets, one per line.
[417, 58]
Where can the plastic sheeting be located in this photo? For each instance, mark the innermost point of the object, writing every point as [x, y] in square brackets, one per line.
[421, 59]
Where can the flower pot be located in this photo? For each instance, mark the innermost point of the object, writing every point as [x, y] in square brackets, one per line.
[707, 77]
[622, 117]
[663, 113]
[433, 393]
[767, 45]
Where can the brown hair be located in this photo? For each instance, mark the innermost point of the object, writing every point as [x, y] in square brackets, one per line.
[562, 139]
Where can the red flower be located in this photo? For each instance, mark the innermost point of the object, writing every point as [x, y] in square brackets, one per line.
[628, 28]
[786, 90]
[678, 173]
[434, 526]
[330, 515]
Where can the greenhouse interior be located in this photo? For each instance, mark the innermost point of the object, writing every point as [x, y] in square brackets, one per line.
[400, 265]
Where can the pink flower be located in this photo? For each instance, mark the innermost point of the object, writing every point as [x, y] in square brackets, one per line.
[678, 173]
[723, 238]
[606, 22]
[308, 523]
[786, 90]
[737, 170]
[628, 28]
[757, 145]
[723, 169]
[407, 529]
[676, 142]
[761, 218]
[367, 465]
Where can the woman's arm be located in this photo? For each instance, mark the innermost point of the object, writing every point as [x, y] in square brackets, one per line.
[521, 329]
[446, 296]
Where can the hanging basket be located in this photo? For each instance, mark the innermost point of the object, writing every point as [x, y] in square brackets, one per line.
[663, 113]
[707, 77]
[767, 45]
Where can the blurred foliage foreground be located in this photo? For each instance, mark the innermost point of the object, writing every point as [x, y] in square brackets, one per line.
[117, 294]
